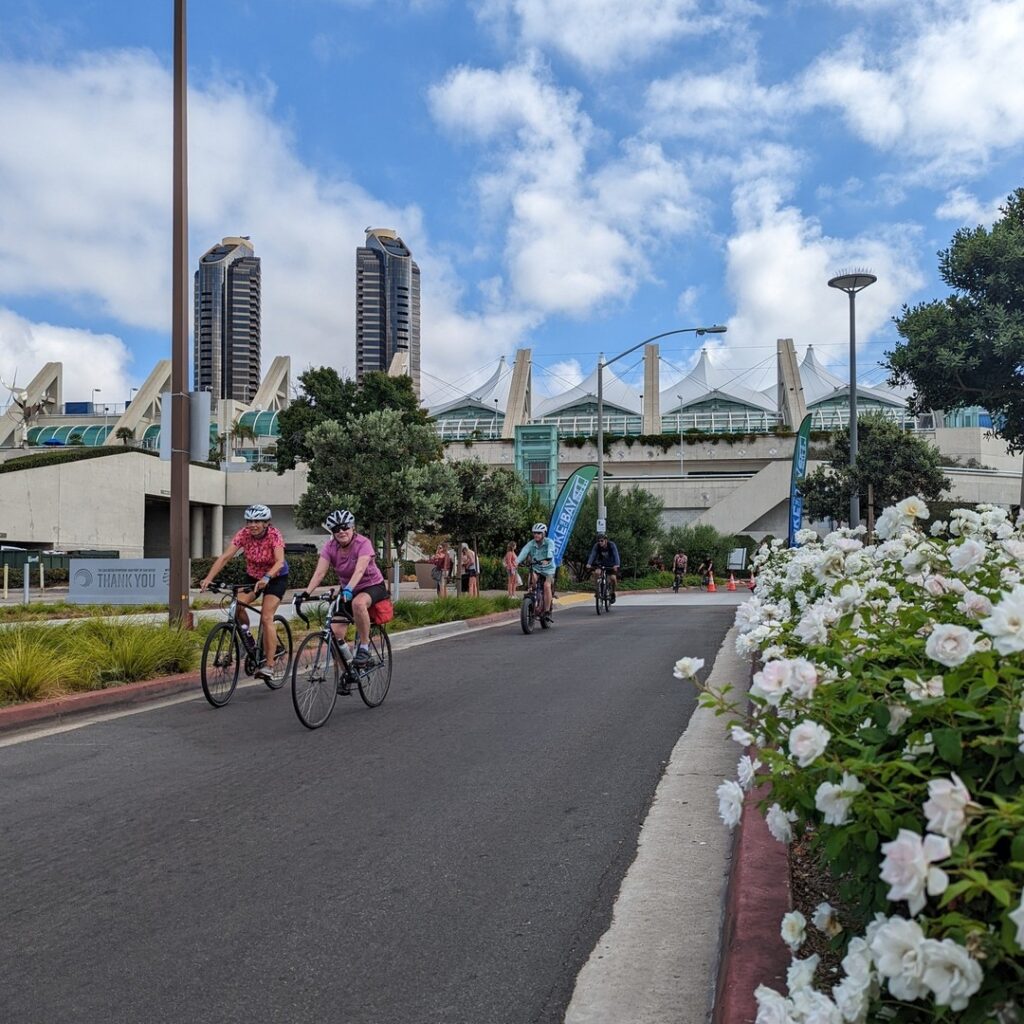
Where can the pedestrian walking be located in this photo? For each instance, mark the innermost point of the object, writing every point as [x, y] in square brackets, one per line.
[510, 569]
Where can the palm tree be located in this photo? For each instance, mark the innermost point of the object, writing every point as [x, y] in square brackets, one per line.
[124, 435]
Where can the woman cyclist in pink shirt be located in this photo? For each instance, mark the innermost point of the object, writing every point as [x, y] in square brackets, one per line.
[268, 573]
[353, 559]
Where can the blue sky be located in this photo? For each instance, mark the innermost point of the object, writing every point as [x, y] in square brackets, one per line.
[571, 175]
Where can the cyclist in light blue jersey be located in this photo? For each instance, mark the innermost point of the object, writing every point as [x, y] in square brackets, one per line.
[541, 552]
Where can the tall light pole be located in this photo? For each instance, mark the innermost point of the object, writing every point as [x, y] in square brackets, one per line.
[679, 417]
[853, 282]
[602, 512]
[178, 587]
[95, 392]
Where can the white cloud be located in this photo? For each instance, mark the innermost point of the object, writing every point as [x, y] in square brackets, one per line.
[85, 209]
[778, 265]
[90, 360]
[577, 238]
[967, 209]
[952, 94]
[600, 35]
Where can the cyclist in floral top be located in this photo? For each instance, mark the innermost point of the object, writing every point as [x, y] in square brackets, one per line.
[267, 570]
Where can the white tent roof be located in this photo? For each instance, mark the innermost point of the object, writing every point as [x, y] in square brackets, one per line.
[820, 383]
[705, 381]
[495, 387]
[617, 395]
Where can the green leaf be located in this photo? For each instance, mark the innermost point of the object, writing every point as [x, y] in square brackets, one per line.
[949, 744]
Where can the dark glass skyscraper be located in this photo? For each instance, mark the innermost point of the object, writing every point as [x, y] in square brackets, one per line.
[226, 343]
[387, 304]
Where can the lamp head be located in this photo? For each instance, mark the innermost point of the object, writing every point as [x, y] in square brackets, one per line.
[713, 329]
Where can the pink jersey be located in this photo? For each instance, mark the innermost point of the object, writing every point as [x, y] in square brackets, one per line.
[343, 561]
[259, 551]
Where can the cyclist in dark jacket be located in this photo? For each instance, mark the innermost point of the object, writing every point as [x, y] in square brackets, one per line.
[606, 555]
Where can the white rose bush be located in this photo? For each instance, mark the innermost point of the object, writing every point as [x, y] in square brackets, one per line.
[886, 722]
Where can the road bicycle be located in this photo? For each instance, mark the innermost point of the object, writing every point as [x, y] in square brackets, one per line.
[229, 647]
[602, 592]
[533, 600]
[325, 666]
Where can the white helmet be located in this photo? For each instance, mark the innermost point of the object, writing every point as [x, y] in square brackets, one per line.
[540, 528]
[339, 518]
[257, 514]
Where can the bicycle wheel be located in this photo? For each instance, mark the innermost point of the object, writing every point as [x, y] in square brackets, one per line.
[526, 614]
[283, 658]
[375, 679]
[545, 620]
[218, 670]
[314, 681]
[597, 597]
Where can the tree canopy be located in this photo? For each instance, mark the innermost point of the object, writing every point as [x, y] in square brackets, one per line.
[968, 349]
[325, 396]
[634, 523]
[490, 506]
[896, 464]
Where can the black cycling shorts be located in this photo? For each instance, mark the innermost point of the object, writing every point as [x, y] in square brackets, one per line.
[378, 592]
[276, 587]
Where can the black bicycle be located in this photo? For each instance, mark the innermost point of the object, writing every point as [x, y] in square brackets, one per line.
[228, 648]
[325, 666]
[533, 601]
[602, 591]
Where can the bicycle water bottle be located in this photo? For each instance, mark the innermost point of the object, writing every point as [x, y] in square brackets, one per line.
[248, 639]
[346, 653]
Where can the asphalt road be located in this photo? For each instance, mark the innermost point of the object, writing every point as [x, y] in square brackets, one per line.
[449, 858]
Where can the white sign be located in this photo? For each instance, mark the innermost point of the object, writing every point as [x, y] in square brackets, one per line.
[601, 525]
[737, 559]
[119, 580]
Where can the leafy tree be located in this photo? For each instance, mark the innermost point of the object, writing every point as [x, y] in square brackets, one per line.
[896, 464]
[489, 506]
[325, 396]
[698, 542]
[388, 472]
[968, 349]
[125, 435]
[634, 520]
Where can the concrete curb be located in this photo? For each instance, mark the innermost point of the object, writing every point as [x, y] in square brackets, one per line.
[657, 963]
[753, 952]
[59, 708]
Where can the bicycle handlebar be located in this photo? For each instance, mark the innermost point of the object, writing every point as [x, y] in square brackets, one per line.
[300, 599]
[236, 588]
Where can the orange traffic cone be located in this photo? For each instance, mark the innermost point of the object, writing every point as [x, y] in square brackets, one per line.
[712, 589]
[731, 585]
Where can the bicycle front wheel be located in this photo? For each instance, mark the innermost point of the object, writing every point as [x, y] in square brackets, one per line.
[218, 670]
[283, 657]
[375, 679]
[526, 614]
[598, 598]
[314, 681]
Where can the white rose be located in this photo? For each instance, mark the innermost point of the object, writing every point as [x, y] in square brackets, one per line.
[974, 606]
[1017, 917]
[857, 962]
[803, 678]
[912, 508]
[898, 714]
[935, 585]
[937, 528]
[1006, 623]
[771, 682]
[772, 1008]
[951, 973]
[740, 735]
[810, 1007]
[967, 556]
[851, 998]
[908, 867]
[687, 668]
[950, 645]
[807, 742]
[946, 808]
[730, 802]
[833, 799]
[1014, 548]
[779, 823]
[924, 689]
[896, 948]
[746, 771]
[801, 973]
[826, 920]
[794, 929]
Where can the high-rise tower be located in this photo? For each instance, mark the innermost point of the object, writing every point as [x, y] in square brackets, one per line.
[226, 344]
[387, 304]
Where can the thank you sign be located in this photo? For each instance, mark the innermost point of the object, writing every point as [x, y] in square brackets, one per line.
[119, 580]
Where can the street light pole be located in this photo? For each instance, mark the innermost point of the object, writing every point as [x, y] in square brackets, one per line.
[852, 283]
[602, 512]
[679, 418]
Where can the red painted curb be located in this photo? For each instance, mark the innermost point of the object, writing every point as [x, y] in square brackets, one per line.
[76, 703]
[757, 898]
[485, 620]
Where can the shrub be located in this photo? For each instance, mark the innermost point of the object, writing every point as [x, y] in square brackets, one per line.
[888, 721]
[30, 667]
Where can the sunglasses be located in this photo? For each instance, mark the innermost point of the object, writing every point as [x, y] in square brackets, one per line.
[342, 529]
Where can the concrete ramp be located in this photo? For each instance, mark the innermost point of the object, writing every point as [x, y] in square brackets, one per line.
[750, 501]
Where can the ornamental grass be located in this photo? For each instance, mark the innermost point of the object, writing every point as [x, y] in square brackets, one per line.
[888, 720]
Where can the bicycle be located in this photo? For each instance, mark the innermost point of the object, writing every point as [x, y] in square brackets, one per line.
[602, 591]
[223, 657]
[324, 665]
[532, 600]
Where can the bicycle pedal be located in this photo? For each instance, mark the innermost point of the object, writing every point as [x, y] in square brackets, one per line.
[344, 689]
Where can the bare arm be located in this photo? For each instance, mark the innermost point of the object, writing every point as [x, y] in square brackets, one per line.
[223, 560]
[357, 573]
[322, 565]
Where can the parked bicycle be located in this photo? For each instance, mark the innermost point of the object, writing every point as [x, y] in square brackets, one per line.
[602, 591]
[325, 665]
[229, 647]
[533, 601]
